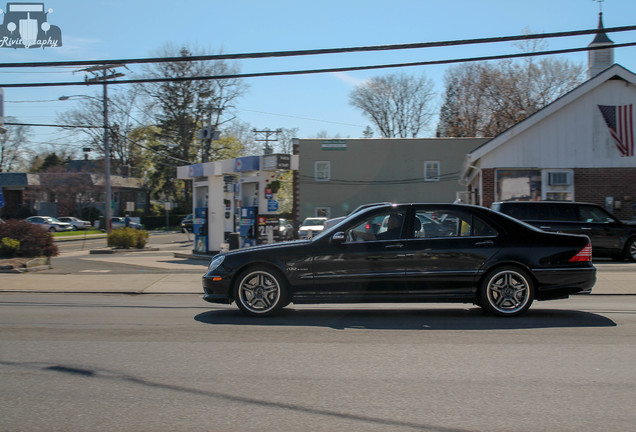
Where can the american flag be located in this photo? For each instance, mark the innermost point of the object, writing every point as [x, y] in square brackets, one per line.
[619, 120]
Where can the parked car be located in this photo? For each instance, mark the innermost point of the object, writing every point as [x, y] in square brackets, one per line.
[286, 230]
[186, 223]
[50, 224]
[610, 237]
[120, 222]
[483, 257]
[311, 226]
[77, 224]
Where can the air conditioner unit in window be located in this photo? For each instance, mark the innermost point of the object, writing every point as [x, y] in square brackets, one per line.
[560, 178]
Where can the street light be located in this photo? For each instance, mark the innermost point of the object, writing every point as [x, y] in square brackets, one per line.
[109, 193]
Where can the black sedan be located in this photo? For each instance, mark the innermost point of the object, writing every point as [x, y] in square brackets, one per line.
[408, 253]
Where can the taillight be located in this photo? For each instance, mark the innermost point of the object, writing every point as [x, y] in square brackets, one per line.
[584, 254]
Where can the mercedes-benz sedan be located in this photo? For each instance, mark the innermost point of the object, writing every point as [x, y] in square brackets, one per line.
[408, 253]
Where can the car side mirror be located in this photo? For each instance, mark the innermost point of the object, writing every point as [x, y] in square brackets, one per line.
[338, 238]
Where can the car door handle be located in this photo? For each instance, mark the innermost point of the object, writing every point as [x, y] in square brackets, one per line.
[586, 229]
[394, 246]
[545, 227]
[486, 243]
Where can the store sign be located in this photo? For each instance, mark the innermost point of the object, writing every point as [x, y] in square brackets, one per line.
[247, 163]
[276, 162]
[334, 145]
[268, 229]
[195, 170]
[25, 26]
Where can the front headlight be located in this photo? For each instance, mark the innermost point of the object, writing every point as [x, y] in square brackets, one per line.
[216, 262]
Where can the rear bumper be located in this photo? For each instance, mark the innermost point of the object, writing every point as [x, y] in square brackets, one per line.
[560, 283]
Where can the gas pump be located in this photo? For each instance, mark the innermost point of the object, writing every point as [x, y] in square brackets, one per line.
[248, 227]
[200, 228]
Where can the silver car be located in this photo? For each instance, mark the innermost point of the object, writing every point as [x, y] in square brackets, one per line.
[77, 224]
[49, 223]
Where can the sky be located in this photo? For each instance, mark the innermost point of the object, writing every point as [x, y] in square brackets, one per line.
[316, 104]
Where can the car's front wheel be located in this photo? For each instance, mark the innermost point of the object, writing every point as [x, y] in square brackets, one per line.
[506, 291]
[52, 230]
[260, 291]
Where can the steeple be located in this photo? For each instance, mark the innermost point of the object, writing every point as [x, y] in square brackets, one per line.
[600, 59]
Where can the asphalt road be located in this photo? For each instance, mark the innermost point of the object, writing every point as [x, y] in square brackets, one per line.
[71, 362]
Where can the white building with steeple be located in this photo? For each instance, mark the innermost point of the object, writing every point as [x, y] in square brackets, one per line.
[578, 148]
[602, 56]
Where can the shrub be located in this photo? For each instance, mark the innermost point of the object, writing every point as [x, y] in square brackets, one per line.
[126, 238]
[33, 240]
[9, 247]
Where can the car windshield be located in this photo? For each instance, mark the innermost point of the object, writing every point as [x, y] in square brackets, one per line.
[314, 222]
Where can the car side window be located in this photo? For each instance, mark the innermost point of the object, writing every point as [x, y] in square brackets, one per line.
[386, 225]
[445, 223]
[593, 214]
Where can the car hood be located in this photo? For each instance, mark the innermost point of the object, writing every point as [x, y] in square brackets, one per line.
[272, 246]
[312, 227]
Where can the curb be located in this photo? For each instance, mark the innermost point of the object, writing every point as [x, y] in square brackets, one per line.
[114, 251]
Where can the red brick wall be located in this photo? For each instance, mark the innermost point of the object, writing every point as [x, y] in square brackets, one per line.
[487, 186]
[590, 185]
[594, 184]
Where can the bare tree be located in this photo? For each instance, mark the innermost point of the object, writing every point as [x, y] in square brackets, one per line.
[13, 147]
[398, 105]
[485, 99]
[122, 106]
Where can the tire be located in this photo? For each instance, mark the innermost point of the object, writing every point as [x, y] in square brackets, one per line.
[630, 250]
[260, 291]
[74, 228]
[506, 291]
[52, 230]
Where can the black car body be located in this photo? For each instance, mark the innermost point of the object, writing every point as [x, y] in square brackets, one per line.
[610, 237]
[469, 254]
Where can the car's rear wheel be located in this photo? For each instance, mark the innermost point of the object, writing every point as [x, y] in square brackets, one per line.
[260, 291]
[51, 230]
[630, 249]
[506, 291]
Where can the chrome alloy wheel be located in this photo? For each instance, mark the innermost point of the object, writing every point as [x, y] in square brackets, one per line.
[508, 292]
[631, 250]
[259, 292]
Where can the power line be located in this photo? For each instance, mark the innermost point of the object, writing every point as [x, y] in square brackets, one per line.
[322, 51]
[327, 70]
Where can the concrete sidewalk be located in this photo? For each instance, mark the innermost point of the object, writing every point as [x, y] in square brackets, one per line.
[612, 278]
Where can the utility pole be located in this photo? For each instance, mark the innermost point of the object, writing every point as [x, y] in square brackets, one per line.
[108, 73]
[210, 133]
[267, 134]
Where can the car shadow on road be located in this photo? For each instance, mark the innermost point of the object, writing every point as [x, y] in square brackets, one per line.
[411, 319]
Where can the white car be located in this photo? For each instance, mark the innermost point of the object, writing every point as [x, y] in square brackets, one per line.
[49, 223]
[311, 226]
[78, 224]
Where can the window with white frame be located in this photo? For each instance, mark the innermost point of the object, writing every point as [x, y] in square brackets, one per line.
[322, 212]
[431, 171]
[322, 170]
